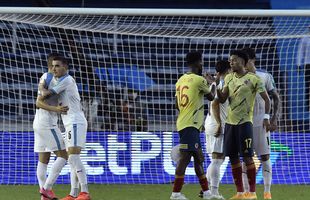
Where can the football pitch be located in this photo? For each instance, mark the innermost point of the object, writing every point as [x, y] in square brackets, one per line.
[148, 192]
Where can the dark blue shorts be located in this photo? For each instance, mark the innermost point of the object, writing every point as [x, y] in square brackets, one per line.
[189, 139]
[238, 140]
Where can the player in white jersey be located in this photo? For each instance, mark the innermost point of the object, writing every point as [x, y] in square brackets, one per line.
[261, 136]
[47, 135]
[214, 128]
[74, 121]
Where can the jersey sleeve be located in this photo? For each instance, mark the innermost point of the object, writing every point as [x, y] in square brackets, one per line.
[270, 84]
[61, 86]
[203, 85]
[43, 78]
[42, 81]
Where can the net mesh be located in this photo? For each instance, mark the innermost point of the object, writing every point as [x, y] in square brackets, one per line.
[125, 68]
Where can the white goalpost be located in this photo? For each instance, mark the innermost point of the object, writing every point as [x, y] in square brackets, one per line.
[126, 62]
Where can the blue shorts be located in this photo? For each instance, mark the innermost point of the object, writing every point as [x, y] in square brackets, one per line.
[238, 140]
[189, 139]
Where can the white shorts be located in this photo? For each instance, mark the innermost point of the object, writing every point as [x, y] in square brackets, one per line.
[76, 135]
[48, 140]
[215, 144]
[261, 141]
[210, 125]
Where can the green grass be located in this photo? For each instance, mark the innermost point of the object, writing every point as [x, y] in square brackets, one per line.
[148, 192]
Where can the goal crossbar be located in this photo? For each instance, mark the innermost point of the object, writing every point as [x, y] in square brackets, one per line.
[153, 12]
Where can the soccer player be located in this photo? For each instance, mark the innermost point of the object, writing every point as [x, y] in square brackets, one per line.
[261, 137]
[214, 128]
[190, 91]
[74, 122]
[47, 136]
[240, 88]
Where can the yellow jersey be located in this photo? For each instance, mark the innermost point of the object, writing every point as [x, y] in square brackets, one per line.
[242, 92]
[190, 90]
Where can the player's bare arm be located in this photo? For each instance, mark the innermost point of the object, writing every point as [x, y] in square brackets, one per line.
[215, 106]
[265, 97]
[276, 105]
[210, 96]
[40, 103]
[222, 94]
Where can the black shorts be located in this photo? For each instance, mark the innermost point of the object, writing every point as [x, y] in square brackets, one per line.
[189, 139]
[238, 140]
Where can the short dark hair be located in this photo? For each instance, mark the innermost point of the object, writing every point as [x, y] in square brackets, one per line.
[241, 54]
[222, 66]
[250, 52]
[193, 57]
[62, 59]
[53, 55]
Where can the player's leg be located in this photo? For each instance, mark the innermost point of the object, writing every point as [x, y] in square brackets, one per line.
[57, 145]
[44, 158]
[74, 192]
[56, 168]
[210, 139]
[216, 162]
[179, 175]
[76, 136]
[199, 170]
[74, 184]
[262, 141]
[214, 170]
[231, 149]
[186, 153]
[257, 136]
[245, 179]
[246, 150]
[267, 174]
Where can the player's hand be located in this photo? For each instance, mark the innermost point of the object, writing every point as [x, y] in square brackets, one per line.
[266, 124]
[217, 78]
[210, 79]
[62, 109]
[218, 131]
[273, 124]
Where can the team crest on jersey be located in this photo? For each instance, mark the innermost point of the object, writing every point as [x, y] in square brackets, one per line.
[196, 145]
[247, 82]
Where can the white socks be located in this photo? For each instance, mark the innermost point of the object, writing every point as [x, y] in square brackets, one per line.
[41, 173]
[245, 179]
[214, 175]
[267, 174]
[54, 173]
[74, 183]
[77, 165]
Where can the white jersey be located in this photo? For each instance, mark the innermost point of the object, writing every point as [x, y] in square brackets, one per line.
[216, 144]
[210, 122]
[69, 96]
[259, 106]
[43, 118]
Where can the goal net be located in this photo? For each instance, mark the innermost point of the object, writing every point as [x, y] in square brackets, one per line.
[125, 63]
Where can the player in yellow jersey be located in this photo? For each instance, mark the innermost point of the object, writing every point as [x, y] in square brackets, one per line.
[190, 91]
[240, 88]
